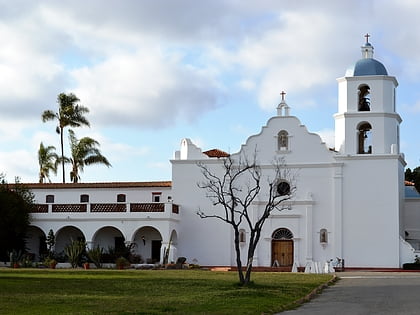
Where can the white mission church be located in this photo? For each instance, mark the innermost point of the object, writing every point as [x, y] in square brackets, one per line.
[350, 202]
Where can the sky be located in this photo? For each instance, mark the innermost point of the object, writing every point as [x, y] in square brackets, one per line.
[155, 72]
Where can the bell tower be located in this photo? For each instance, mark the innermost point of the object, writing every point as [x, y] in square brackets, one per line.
[367, 140]
[367, 122]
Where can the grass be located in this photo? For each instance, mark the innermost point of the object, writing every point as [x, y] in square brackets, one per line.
[46, 291]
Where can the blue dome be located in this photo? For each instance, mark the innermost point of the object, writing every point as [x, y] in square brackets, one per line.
[366, 66]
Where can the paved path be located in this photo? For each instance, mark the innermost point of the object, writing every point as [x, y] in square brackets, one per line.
[367, 293]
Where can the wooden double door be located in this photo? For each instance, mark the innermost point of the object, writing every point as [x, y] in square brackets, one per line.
[282, 253]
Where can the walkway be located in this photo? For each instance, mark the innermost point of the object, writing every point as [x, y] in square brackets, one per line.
[367, 293]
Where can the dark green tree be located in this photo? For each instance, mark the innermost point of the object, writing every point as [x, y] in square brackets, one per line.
[70, 114]
[16, 203]
[409, 175]
[50, 241]
[414, 177]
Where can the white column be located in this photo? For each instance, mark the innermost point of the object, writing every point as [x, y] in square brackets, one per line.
[90, 244]
[338, 212]
[309, 223]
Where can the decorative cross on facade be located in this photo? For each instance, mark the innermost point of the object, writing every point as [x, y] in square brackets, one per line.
[283, 93]
[367, 37]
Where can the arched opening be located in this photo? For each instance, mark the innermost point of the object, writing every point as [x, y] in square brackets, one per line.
[49, 199]
[365, 138]
[282, 248]
[84, 198]
[112, 241]
[65, 236]
[35, 243]
[364, 98]
[323, 236]
[121, 198]
[242, 236]
[283, 140]
[148, 242]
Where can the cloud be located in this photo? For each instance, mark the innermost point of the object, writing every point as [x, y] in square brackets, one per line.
[20, 163]
[145, 89]
[286, 56]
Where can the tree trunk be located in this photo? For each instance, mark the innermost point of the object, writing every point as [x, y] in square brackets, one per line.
[238, 258]
[62, 153]
[253, 242]
[251, 251]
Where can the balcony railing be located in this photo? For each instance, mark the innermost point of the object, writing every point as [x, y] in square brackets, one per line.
[40, 209]
[147, 207]
[175, 208]
[106, 207]
[78, 207]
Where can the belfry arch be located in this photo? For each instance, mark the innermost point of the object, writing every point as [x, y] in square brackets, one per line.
[364, 138]
[364, 98]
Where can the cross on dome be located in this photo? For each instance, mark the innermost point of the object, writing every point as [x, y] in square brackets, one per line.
[367, 48]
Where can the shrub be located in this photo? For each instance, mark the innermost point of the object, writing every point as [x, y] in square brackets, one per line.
[95, 255]
[74, 252]
[122, 262]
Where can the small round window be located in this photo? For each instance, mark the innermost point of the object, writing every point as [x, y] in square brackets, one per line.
[283, 188]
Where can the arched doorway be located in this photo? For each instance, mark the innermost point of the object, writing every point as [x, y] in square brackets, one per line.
[148, 242]
[282, 248]
[65, 236]
[108, 237]
[35, 242]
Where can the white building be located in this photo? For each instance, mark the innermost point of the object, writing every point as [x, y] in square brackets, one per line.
[349, 201]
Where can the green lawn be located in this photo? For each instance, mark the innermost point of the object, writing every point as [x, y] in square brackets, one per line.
[46, 291]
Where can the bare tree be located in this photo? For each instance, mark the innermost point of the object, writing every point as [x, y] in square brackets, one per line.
[235, 189]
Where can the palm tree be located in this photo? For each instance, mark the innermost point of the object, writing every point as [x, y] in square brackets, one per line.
[84, 152]
[69, 114]
[48, 161]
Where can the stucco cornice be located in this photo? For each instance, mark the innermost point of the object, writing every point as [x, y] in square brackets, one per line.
[361, 157]
[366, 115]
[97, 185]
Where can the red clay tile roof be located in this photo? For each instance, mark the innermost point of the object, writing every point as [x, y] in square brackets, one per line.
[97, 185]
[216, 153]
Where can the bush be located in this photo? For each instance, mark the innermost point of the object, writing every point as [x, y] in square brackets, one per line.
[122, 262]
[411, 266]
[50, 262]
[75, 251]
[95, 256]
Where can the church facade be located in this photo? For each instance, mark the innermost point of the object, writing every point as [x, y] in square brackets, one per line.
[350, 202]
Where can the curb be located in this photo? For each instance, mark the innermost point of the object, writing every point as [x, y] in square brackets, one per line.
[314, 292]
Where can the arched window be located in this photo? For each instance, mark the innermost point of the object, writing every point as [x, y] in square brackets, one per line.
[242, 236]
[84, 198]
[283, 140]
[323, 236]
[364, 98]
[283, 188]
[49, 198]
[282, 234]
[365, 138]
[121, 198]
